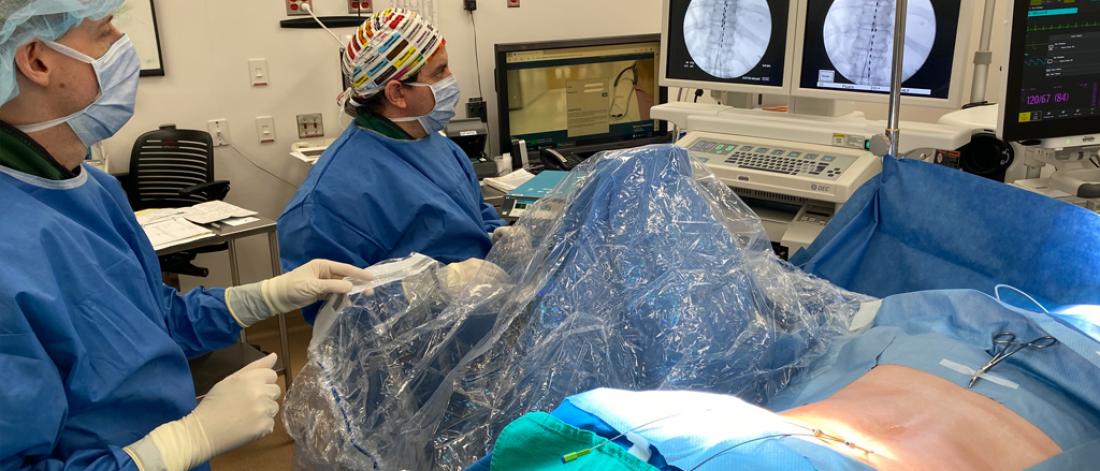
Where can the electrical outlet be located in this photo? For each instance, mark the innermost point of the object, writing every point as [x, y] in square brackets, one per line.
[219, 131]
[294, 7]
[360, 7]
[258, 72]
[265, 129]
[513, 3]
[470, 5]
[311, 125]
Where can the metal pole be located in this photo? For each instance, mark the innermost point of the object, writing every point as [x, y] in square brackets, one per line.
[235, 274]
[983, 56]
[892, 131]
[284, 343]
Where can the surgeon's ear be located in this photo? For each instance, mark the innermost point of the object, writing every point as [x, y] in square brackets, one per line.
[31, 63]
[395, 94]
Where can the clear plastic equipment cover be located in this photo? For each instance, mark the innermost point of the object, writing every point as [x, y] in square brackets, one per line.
[640, 271]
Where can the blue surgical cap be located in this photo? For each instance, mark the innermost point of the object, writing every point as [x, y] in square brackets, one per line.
[22, 21]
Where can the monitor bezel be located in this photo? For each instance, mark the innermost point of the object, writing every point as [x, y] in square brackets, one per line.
[788, 56]
[961, 73]
[1012, 80]
[501, 52]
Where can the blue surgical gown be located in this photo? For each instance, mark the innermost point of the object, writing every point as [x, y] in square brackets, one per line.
[372, 198]
[93, 345]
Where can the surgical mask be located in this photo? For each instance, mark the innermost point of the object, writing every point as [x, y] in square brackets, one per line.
[117, 74]
[446, 94]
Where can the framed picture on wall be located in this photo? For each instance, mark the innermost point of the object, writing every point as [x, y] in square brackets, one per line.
[138, 19]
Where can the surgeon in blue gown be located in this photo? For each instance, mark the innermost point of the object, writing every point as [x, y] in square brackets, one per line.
[392, 184]
[93, 345]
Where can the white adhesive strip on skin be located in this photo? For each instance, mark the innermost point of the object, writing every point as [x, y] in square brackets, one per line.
[968, 371]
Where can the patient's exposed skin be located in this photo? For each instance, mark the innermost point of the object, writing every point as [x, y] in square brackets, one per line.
[914, 420]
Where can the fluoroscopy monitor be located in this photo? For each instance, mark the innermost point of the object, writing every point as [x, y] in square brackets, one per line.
[1052, 84]
[845, 50]
[728, 45]
[579, 92]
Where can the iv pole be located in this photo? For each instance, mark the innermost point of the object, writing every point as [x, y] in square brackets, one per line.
[983, 56]
[893, 134]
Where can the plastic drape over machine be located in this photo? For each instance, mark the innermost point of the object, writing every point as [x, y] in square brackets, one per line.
[640, 271]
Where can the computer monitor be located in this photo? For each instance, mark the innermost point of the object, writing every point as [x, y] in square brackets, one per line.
[1052, 84]
[728, 45]
[844, 50]
[578, 92]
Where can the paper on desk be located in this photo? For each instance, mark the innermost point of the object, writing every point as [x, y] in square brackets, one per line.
[511, 181]
[173, 231]
[148, 216]
[239, 221]
[214, 211]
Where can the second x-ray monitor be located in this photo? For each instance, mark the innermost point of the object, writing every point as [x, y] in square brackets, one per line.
[843, 50]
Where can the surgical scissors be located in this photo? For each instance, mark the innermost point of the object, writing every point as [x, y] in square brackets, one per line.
[1005, 345]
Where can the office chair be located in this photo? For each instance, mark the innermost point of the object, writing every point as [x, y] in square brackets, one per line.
[174, 168]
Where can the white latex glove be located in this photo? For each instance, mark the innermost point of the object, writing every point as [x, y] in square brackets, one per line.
[301, 287]
[238, 410]
[455, 277]
[503, 232]
[512, 237]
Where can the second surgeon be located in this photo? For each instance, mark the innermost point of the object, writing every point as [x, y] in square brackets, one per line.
[391, 184]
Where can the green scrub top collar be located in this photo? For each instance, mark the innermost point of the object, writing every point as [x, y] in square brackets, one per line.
[380, 124]
[21, 153]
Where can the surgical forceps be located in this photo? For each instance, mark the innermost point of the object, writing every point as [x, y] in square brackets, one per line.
[1005, 345]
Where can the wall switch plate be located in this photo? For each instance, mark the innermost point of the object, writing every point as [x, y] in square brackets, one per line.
[294, 7]
[258, 72]
[265, 129]
[219, 131]
[311, 125]
[360, 7]
[513, 3]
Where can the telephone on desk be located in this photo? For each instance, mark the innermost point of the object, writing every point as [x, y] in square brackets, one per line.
[555, 159]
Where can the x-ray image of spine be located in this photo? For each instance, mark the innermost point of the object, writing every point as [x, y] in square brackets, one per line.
[727, 38]
[859, 38]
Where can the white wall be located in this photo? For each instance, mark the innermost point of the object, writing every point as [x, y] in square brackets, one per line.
[206, 46]
[207, 43]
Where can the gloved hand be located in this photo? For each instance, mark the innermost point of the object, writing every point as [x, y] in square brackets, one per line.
[456, 277]
[504, 232]
[511, 238]
[238, 410]
[301, 287]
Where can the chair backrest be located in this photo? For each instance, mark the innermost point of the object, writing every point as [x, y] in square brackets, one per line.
[168, 160]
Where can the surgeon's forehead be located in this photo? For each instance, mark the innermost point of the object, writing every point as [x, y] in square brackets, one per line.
[102, 23]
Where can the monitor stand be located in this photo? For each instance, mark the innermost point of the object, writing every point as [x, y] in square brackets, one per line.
[820, 107]
[745, 101]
